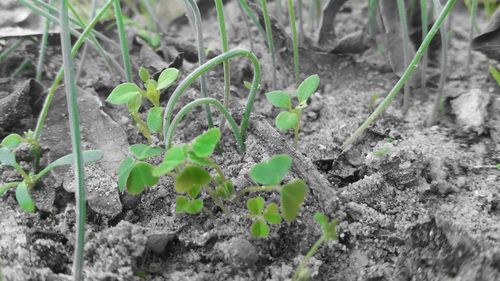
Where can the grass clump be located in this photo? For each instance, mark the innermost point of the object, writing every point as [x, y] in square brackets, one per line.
[290, 117]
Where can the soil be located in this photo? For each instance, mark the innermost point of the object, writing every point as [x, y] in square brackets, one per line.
[422, 210]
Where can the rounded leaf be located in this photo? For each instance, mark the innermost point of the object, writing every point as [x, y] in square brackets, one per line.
[307, 88]
[144, 74]
[12, 141]
[256, 205]
[194, 206]
[279, 99]
[292, 196]
[259, 229]
[190, 177]
[173, 158]
[167, 77]
[123, 93]
[181, 204]
[24, 199]
[272, 171]
[204, 144]
[286, 120]
[142, 151]
[199, 160]
[88, 156]
[124, 171]
[155, 119]
[271, 214]
[321, 219]
[7, 157]
[140, 176]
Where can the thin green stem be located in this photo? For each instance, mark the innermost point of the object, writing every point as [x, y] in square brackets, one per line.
[194, 16]
[123, 40]
[300, 8]
[295, 43]
[406, 75]
[218, 201]
[425, 30]
[11, 49]
[406, 50]
[473, 17]
[296, 128]
[225, 48]
[43, 47]
[142, 126]
[251, 15]
[308, 256]
[184, 84]
[372, 13]
[200, 102]
[22, 66]
[251, 189]
[74, 120]
[270, 41]
[50, 96]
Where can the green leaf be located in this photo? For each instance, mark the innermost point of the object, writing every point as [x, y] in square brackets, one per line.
[190, 177]
[279, 99]
[140, 176]
[198, 160]
[286, 120]
[329, 228]
[292, 196]
[271, 214]
[256, 205]
[247, 85]
[24, 199]
[88, 156]
[167, 77]
[155, 119]
[142, 151]
[144, 74]
[195, 191]
[135, 104]
[124, 170]
[321, 219]
[495, 74]
[181, 204]
[123, 93]
[497, 166]
[271, 171]
[204, 144]
[173, 158]
[12, 141]
[194, 207]
[307, 88]
[259, 229]
[7, 157]
[225, 189]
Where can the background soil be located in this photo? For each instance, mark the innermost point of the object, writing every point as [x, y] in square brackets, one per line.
[419, 212]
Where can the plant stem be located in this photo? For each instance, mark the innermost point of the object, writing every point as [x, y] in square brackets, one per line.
[52, 90]
[225, 48]
[296, 129]
[194, 16]
[251, 15]
[295, 43]
[199, 102]
[270, 42]
[308, 256]
[406, 50]
[218, 201]
[372, 13]
[71, 95]
[301, 21]
[143, 127]
[43, 47]
[11, 49]
[123, 40]
[406, 75]
[425, 30]
[22, 66]
[184, 84]
[473, 16]
[256, 189]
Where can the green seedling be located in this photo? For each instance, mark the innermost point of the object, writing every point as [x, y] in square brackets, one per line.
[329, 234]
[494, 73]
[30, 179]
[133, 96]
[290, 118]
[13, 140]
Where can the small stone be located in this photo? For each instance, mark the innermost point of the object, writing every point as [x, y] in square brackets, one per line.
[471, 110]
[239, 253]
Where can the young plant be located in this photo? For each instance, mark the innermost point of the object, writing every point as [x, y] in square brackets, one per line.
[329, 234]
[290, 118]
[133, 96]
[295, 43]
[494, 73]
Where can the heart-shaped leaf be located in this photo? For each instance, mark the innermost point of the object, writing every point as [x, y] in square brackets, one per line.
[140, 176]
[190, 177]
[195, 206]
[124, 171]
[204, 144]
[271, 214]
[256, 205]
[123, 93]
[167, 77]
[181, 204]
[155, 119]
[24, 199]
[12, 141]
[142, 151]
[144, 74]
[307, 88]
[259, 229]
[286, 120]
[88, 156]
[173, 158]
[279, 99]
[7, 157]
[271, 171]
[199, 160]
[291, 197]
[195, 191]
[329, 228]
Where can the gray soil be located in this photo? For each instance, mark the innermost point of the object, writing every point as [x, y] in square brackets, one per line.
[422, 210]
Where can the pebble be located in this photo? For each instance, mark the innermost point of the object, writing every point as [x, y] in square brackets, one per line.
[471, 110]
[239, 253]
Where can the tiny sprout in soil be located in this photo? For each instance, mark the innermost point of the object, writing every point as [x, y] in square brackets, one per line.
[290, 117]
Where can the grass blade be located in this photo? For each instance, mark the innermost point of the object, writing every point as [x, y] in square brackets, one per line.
[295, 43]
[473, 17]
[123, 40]
[406, 50]
[225, 48]
[43, 47]
[269, 35]
[425, 30]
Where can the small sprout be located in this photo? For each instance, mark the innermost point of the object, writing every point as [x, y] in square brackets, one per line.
[154, 119]
[271, 214]
[494, 73]
[292, 196]
[142, 151]
[190, 177]
[173, 158]
[184, 204]
[497, 166]
[124, 170]
[329, 228]
[167, 77]
[272, 171]
[24, 199]
[123, 93]
[290, 118]
[139, 177]
[259, 227]
[144, 74]
[204, 145]
[381, 152]
[12, 141]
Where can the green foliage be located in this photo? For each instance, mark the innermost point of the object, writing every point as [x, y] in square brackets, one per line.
[494, 73]
[329, 227]
[261, 218]
[142, 151]
[272, 171]
[204, 145]
[290, 118]
[140, 176]
[292, 196]
[191, 177]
